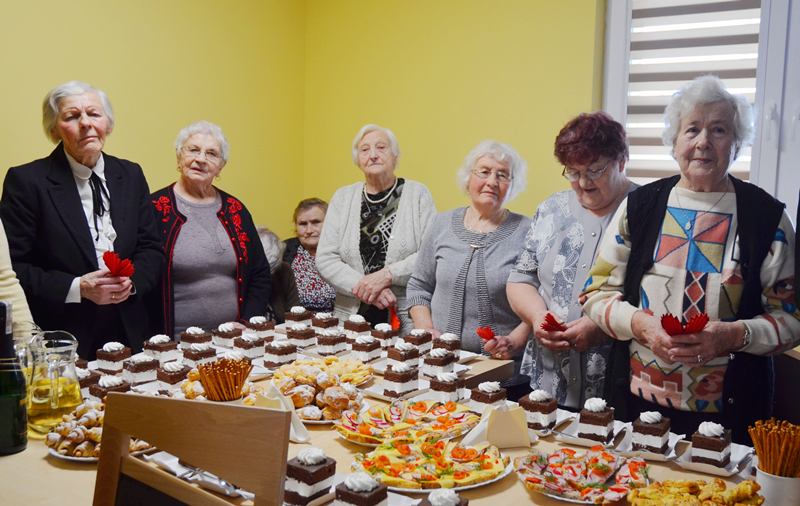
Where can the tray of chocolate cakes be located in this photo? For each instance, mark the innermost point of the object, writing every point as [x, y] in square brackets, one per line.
[712, 452]
[649, 437]
[595, 425]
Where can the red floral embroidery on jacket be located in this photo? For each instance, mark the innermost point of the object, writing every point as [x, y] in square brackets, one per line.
[164, 206]
[234, 207]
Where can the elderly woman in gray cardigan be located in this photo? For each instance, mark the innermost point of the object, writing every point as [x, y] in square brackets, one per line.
[372, 232]
[459, 281]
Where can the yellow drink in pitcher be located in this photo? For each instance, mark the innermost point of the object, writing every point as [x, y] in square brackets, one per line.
[42, 416]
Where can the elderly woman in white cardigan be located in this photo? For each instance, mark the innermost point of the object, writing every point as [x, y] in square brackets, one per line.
[372, 232]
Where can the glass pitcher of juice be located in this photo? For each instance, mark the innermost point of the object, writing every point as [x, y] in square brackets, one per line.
[53, 388]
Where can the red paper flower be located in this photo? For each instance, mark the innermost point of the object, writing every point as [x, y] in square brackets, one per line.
[485, 333]
[673, 326]
[550, 324]
[394, 320]
[118, 266]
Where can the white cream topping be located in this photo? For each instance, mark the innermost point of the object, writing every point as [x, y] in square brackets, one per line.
[539, 396]
[711, 429]
[82, 373]
[360, 482]
[110, 381]
[323, 316]
[418, 332]
[226, 327]
[159, 339]
[234, 355]
[250, 335]
[403, 346]
[365, 339]
[297, 310]
[172, 366]
[195, 331]
[403, 367]
[448, 336]
[650, 416]
[280, 343]
[113, 346]
[489, 387]
[594, 404]
[200, 347]
[439, 353]
[298, 327]
[331, 332]
[383, 327]
[141, 359]
[311, 456]
[447, 377]
[258, 320]
[443, 497]
[356, 318]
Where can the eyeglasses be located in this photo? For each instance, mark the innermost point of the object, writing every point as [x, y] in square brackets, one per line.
[502, 176]
[573, 176]
[196, 152]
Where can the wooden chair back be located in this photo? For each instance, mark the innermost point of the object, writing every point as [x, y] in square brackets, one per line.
[243, 445]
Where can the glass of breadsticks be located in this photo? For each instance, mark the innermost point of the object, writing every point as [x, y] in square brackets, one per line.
[224, 379]
[777, 444]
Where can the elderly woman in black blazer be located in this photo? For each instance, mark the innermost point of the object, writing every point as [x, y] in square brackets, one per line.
[63, 212]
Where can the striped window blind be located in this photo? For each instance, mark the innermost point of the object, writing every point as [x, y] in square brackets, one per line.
[672, 42]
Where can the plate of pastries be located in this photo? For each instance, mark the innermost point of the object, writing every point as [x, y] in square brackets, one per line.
[696, 492]
[77, 437]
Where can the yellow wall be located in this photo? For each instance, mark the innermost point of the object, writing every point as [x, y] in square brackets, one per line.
[290, 82]
[164, 64]
[444, 75]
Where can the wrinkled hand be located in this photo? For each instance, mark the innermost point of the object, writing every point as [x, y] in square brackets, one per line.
[716, 339]
[102, 289]
[369, 288]
[583, 334]
[648, 331]
[385, 299]
[502, 347]
[555, 340]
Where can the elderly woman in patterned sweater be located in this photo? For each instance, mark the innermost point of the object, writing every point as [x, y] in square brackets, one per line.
[559, 249]
[459, 280]
[372, 232]
[216, 270]
[700, 242]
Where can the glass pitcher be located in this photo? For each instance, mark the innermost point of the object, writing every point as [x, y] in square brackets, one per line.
[53, 386]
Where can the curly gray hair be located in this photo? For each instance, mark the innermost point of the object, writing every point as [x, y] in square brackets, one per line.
[502, 153]
[69, 89]
[369, 128]
[203, 127]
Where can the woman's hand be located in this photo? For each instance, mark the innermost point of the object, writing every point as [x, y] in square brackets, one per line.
[369, 288]
[583, 334]
[509, 346]
[552, 340]
[648, 331]
[715, 340]
[385, 299]
[102, 289]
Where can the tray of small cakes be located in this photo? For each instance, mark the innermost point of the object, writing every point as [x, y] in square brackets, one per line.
[711, 451]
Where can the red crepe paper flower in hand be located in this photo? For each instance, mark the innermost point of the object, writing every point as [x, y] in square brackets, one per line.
[485, 333]
[118, 266]
[550, 324]
[673, 326]
[394, 320]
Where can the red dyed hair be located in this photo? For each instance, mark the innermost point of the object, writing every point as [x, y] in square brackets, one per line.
[589, 137]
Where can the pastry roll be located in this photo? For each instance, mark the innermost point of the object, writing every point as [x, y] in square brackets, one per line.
[85, 449]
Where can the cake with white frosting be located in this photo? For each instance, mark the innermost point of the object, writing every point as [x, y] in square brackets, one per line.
[280, 351]
[108, 384]
[651, 432]
[308, 476]
[140, 369]
[711, 444]
[111, 357]
[366, 348]
[225, 333]
[402, 353]
[399, 380]
[420, 338]
[162, 348]
[193, 335]
[250, 344]
[540, 410]
[447, 387]
[489, 393]
[448, 341]
[331, 341]
[170, 374]
[437, 361]
[301, 335]
[324, 320]
[199, 353]
[356, 323]
[261, 325]
[596, 420]
[443, 497]
[297, 314]
[384, 334]
[361, 489]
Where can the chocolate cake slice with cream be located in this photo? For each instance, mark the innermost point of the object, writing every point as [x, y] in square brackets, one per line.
[360, 489]
[297, 314]
[651, 432]
[194, 335]
[540, 410]
[402, 353]
[711, 444]
[111, 357]
[162, 348]
[488, 393]
[448, 341]
[596, 420]
[308, 476]
[225, 334]
[384, 334]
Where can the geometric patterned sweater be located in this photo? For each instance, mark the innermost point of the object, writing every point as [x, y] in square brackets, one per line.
[695, 270]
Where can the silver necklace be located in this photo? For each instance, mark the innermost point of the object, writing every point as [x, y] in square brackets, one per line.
[688, 225]
[382, 199]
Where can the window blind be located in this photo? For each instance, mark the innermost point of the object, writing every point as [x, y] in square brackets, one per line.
[672, 42]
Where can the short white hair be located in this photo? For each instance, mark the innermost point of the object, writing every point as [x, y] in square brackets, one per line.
[499, 152]
[273, 247]
[706, 90]
[369, 128]
[69, 89]
[203, 127]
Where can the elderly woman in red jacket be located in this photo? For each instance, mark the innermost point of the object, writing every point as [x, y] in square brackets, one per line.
[216, 270]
